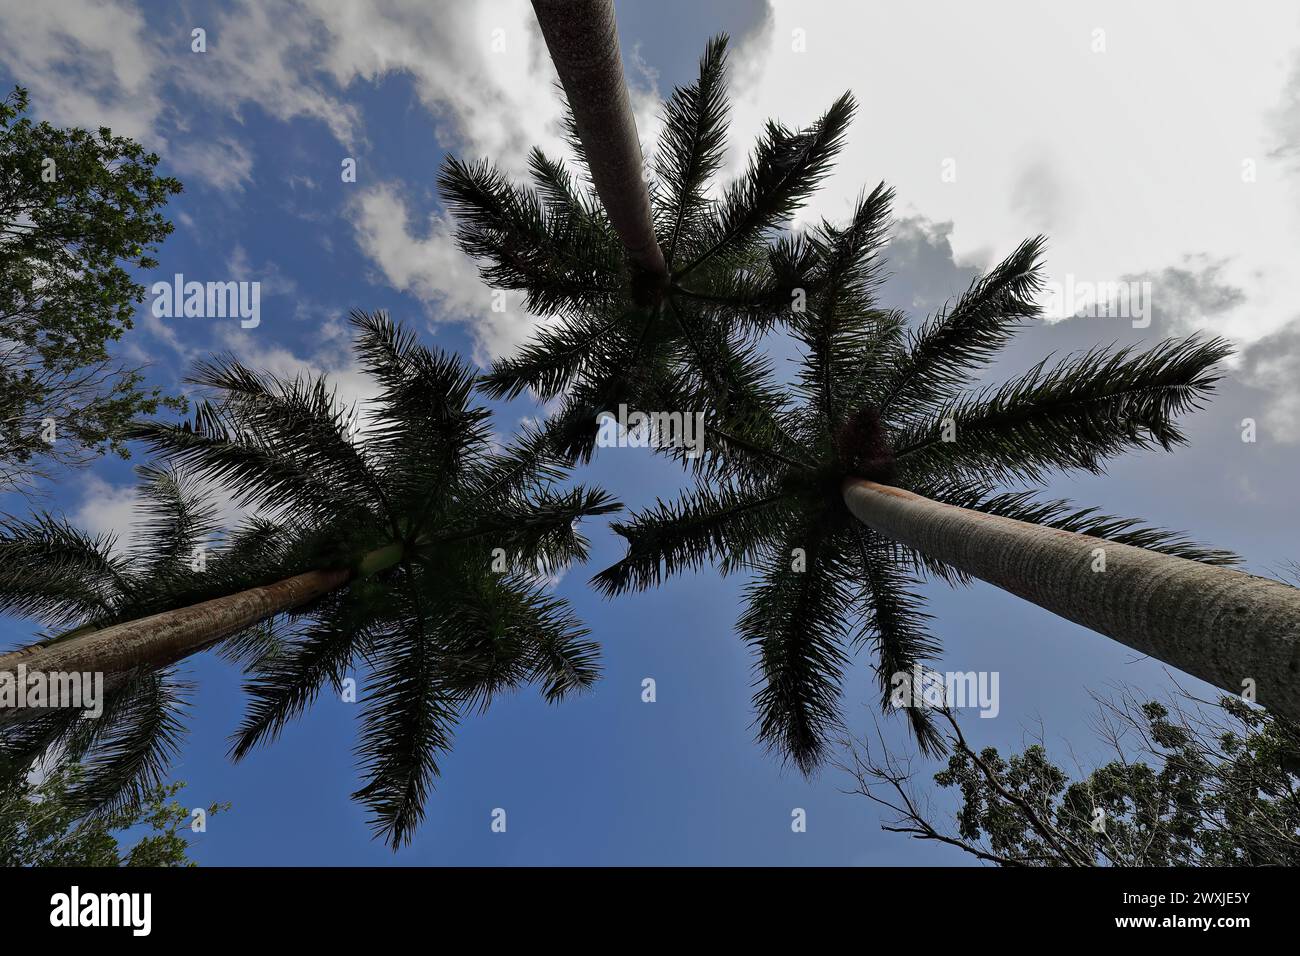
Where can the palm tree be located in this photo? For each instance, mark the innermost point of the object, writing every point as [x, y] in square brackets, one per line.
[834, 510]
[871, 395]
[404, 541]
[626, 334]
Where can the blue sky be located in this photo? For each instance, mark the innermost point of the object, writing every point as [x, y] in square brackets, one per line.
[257, 128]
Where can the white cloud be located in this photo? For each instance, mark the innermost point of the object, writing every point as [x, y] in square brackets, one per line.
[102, 44]
[426, 263]
[107, 509]
[1132, 158]
[480, 69]
[269, 274]
[224, 163]
[269, 54]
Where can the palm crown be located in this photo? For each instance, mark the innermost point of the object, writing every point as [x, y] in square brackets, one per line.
[447, 536]
[621, 335]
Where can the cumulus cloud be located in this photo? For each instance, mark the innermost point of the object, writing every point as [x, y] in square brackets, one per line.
[481, 71]
[225, 163]
[104, 45]
[267, 54]
[1124, 188]
[1122, 184]
[1193, 295]
[269, 274]
[1273, 364]
[424, 261]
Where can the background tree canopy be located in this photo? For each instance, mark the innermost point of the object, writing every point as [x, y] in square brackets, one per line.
[1189, 784]
[77, 208]
[41, 826]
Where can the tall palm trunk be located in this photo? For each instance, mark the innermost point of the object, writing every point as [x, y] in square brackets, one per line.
[582, 36]
[165, 638]
[1234, 630]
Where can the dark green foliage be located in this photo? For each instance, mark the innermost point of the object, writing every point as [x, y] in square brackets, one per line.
[41, 824]
[618, 340]
[452, 611]
[1075, 414]
[869, 399]
[77, 209]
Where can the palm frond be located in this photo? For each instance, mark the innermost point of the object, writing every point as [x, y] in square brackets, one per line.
[407, 719]
[125, 752]
[180, 519]
[1077, 414]
[55, 573]
[690, 147]
[556, 356]
[896, 626]
[723, 524]
[558, 259]
[299, 419]
[537, 532]
[1062, 514]
[561, 658]
[284, 684]
[951, 345]
[753, 299]
[424, 432]
[785, 170]
[794, 618]
[842, 328]
[255, 470]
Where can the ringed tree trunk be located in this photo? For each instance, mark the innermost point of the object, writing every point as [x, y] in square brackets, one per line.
[1234, 630]
[582, 36]
[165, 638]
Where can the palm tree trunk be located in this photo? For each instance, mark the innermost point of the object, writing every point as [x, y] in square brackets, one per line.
[582, 36]
[165, 638]
[1234, 630]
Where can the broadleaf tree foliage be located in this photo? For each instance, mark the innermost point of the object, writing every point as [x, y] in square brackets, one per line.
[42, 823]
[1186, 783]
[447, 540]
[78, 208]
